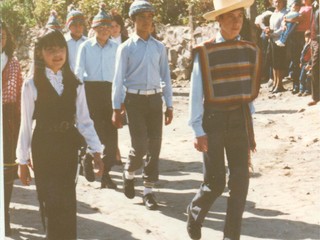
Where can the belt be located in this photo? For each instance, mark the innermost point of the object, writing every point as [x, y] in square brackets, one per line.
[144, 92]
[61, 127]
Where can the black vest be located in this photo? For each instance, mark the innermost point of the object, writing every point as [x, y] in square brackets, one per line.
[52, 109]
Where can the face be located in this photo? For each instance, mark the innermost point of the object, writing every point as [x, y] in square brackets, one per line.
[143, 22]
[3, 38]
[279, 4]
[231, 23]
[102, 33]
[76, 30]
[115, 29]
[54, 57]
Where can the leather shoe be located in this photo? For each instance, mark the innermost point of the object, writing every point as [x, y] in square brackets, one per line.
[150, 202]
[193, 228]
[312, 103]
[128, 187]
[88, 168]
[106, 182]
[279, 89]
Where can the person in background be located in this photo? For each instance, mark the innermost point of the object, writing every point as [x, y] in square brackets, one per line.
[118, 32]
[289, 26]
[11, 95]
[142, 69]
[278, 54]
[75, 23]
[53, 21]
[221, 118]
[296, 41]
[315, 38]
[54, 113]
[95, 66]
[305, 59]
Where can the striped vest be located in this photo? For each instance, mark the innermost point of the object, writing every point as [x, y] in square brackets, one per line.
[230, 72]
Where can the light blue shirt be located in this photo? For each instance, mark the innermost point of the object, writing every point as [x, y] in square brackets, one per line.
[94, 62]
[73, 47]
[196, 98]
[141, 65]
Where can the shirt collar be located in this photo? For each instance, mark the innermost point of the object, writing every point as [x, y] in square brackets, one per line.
[50, 73]
[68, 37]
[220, 39]
[136, 38]
[95, 42]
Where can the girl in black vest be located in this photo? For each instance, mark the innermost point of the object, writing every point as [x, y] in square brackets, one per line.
[53, 103]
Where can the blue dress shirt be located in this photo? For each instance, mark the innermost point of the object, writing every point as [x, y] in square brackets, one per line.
[141, 65]
[73, 46]
[94, 62]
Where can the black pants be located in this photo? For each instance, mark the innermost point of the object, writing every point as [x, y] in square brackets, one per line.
[100, 107]
[226, 134]
[55, 165]
[10, 173]
[145, 124]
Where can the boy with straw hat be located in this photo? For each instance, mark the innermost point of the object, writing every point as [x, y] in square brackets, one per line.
[225, 79]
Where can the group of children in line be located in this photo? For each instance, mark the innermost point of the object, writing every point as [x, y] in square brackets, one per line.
[68, 103]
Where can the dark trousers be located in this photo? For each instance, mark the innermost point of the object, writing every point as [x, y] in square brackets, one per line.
[145, 125]
[55, 164]
[315, 86]
[98, 96]
[226, 134]
[10, 173]
[296, 43]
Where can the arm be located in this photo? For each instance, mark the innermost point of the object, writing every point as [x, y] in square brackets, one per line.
[196, 107]
[25, 134]
[118, 87]
[167, 87]
[87, 130]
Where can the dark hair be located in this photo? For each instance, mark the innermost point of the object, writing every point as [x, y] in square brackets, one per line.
[307, 33]
[49, 37]
[10, 45]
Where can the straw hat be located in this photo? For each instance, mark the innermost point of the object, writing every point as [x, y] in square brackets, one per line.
[224, 6]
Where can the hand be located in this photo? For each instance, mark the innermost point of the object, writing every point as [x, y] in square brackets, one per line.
[168, 116]
[117, 118]
[201, 143]
[24, 174]
[98, 164]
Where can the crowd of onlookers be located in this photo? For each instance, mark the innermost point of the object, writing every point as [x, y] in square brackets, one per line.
[289, 39]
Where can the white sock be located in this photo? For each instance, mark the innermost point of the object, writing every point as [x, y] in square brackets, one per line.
[129, 175]
[147, 191]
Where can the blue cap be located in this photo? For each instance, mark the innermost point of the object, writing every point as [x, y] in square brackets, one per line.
[139, 6]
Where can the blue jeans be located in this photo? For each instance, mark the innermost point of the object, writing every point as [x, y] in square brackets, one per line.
[226, 132]
[285, 34]
[145, 125]
[305, 80]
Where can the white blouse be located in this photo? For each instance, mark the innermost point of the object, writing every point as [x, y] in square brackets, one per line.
[4, 60]
[83, 120]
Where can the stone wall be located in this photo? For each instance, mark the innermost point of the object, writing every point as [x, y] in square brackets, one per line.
[179, 41]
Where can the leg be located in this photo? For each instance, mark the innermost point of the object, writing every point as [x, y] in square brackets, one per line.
[315, 86]
[237, 155]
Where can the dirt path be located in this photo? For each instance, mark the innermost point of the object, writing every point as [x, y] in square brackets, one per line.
[283, 200]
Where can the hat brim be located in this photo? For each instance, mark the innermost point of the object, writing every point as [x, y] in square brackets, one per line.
[215, 13]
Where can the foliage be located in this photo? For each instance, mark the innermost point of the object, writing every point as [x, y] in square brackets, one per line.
[27, 13]
[17, 15]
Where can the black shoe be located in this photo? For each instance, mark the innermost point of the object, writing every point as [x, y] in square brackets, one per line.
[150, 202]
[88, 168]
[295, 91]
[106, 182]
[128, 187]
[193, 228]
[279, 89]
